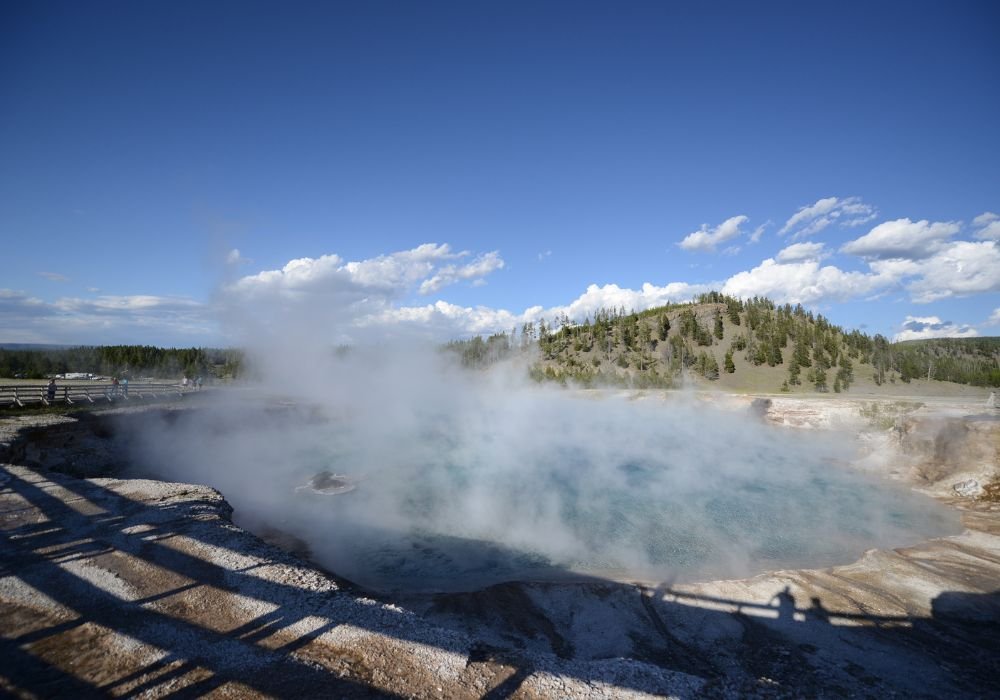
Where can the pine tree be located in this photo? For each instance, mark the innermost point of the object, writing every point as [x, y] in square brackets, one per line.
[730, 366]
[793, 374]
[664, 326]
[819, 379]
[712, 368]
[801, 355]
[734, 312]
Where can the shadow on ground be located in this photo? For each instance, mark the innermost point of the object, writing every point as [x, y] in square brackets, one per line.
[116, 587]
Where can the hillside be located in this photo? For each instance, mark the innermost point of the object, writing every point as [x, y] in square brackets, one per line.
[740, 345]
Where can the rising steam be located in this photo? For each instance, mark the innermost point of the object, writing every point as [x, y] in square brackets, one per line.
[471, 478]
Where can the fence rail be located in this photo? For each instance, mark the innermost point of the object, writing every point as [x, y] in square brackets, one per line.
[24, 394]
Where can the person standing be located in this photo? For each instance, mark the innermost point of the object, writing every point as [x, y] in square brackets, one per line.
[52, 390]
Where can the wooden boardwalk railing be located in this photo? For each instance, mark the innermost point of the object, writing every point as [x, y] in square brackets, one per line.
[24, 394]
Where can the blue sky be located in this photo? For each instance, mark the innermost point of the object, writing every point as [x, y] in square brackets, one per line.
[558, 156]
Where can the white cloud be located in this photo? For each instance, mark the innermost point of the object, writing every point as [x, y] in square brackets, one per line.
[902, 238]
[706, 239]
[53, 276]
[476, 270]
[134, 303]
[813, 218]
[544, 254]
[804, 282]
[988, 225]
[612, 296]
[328, 299]
[809, 213]
[105, 319]
[961, 269]
[802, 251]
[758, 232]
[445, 320]
[994, 319]
[386, 276]
[341, 298]
[923, 327]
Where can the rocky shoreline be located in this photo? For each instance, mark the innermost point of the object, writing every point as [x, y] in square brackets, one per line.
[138, 587]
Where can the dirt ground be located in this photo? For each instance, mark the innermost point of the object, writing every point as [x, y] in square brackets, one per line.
[112, 587]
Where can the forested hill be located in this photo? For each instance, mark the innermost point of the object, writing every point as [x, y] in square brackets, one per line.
[750, 344]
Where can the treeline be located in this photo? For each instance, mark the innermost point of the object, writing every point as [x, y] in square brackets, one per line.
[121, 360]
[973, 361]
[479, 353]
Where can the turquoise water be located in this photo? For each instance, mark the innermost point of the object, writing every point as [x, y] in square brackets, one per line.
[443, 524]
[547, 487]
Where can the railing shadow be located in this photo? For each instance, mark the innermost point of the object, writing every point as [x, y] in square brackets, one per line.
[79, 521]
[233, 656]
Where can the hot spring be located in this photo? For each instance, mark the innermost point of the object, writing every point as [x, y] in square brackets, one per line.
[542, 485]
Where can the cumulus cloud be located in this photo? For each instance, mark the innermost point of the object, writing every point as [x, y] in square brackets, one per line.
[802, 251]
[960, 269]
[902, 238]
[994, 319]
[706, 239]
[476, 270]
[813, 218]
[923, 327]
[345, 299]
[804, 282]
[987, 227]
[383, 278]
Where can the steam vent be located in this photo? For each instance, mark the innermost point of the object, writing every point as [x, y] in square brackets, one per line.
[844, 548]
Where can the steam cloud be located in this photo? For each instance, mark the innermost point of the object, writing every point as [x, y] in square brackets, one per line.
[471, 478]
